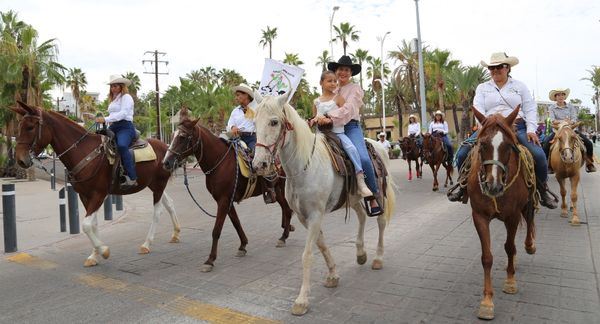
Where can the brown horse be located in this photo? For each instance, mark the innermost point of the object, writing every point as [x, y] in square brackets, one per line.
[83, 154]
[218, 161]
[498, 188]
[412, 152]
[566, 159]
[433, 153]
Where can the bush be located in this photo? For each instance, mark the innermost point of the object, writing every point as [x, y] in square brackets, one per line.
[395, 153]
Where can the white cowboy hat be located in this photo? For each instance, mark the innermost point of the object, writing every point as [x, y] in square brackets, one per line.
[381, 134]
[501, 58]
[554, 92]
[116, 79]
[438, 112]
[245, 89]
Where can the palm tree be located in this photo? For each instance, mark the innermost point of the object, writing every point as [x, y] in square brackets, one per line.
[407, 72]
[268, 36]
[77, 81]
[323, 60]
[344, 33]
[136, 83]
[361, 56]
[292, 59]
[594, 78]
[230, 78]
[465, 81]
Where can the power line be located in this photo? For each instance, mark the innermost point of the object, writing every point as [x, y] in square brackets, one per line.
[155, 62]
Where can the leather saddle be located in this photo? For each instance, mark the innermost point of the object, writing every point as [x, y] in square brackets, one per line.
[110, 147]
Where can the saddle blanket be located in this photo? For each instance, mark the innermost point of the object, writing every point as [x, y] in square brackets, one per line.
[139, 155]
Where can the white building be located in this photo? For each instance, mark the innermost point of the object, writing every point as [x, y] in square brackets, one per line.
[67, 105]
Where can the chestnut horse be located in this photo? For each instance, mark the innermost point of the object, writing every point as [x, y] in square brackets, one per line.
[433, 153]
[412, 152]
[566, 159]
[217, 160]
[498, 188]
[91, 178]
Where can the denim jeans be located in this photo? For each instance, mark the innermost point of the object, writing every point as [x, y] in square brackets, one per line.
[351, 151]
[124, 135]
[250, 141]
[446, 141]
[354, 132]
[539, 158]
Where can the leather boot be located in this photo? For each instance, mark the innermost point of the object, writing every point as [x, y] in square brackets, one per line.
[362, 188]
[547, 198]
[456, 193]
[589, 164]
[128, 183]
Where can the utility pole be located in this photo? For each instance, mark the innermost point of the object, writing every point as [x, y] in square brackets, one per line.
[156, 73]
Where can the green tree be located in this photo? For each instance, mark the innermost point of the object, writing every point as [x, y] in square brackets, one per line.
[267, 38]
[77, 81]
[344, 33]
[594, 79]
[465, 80]
[136, 83]
[323, 60]
[361, 56]
[292, 59]
[406, 75]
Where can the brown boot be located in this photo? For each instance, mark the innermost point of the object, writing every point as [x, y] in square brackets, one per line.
[547, 198]
[589, 164]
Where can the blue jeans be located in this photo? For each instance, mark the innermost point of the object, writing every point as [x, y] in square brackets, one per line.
[351, 151]
[449, 147]
[124, 135]
[354, 132]
[539, 158]
[250, 141]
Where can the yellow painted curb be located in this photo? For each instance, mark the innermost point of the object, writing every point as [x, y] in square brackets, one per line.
[31, 261]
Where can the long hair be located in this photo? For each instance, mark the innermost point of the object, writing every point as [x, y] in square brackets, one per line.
[123, 91]
[442, 120]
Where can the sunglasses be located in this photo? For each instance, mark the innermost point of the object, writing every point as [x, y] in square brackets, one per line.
[496, 67]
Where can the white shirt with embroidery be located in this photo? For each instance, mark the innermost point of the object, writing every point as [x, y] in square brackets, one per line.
[240, 121]
[438, 127]
[120, 109]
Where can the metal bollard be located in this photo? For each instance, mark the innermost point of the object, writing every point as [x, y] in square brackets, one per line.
[108, 208]
[73, 210]
[119, 204]
[62, 209]
[53, 173]
[10, 217]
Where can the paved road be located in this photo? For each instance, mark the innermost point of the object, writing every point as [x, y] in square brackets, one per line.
[432, 271]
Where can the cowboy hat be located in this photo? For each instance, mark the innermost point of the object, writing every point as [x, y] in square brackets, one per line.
[116, 79]
[438, 112]
[412, 116]
[345, 60]
[553, 93]
[244, 88]
[381, 134]
[501, 58]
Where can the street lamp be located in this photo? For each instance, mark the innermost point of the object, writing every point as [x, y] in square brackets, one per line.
[331, 30]
[421, 74]
[382, 39]
[58, 101]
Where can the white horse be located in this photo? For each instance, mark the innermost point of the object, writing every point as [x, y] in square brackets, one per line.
[313, 187]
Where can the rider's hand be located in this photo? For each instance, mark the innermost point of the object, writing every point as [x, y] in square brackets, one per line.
[235, 131]
[100, 120]
[324, 121]
[532, 137]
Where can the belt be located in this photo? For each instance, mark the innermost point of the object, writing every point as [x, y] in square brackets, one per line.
[519, 120]
[247, 133]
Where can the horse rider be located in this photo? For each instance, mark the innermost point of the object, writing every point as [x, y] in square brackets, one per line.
[120, 117]
[440, 127]
[414, 129]
[502, 94]
[241, 120]
[561, 110]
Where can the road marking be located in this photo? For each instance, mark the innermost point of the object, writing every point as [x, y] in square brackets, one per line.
[173, 303]
[31, 261]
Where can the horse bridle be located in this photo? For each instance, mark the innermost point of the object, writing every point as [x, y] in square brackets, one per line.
[272, 148]
[190, 146]
[563, 149]
[39, 137]
[496, 163]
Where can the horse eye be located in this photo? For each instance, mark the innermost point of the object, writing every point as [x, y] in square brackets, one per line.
[29, 128]
[274, 122]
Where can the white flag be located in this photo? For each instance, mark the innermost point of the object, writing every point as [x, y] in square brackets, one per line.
[279, 78]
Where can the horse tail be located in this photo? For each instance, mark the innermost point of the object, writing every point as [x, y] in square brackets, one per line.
[390, 199]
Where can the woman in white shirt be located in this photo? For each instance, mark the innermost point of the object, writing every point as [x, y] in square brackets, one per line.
[120, 117]
[241, 120]
[502, 94]
[440, 127]
[414, 129]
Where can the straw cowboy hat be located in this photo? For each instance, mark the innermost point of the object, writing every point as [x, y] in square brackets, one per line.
[244, 88]
[345, 60]
[116, 79]
[439, 112]
[412, 116]
[553, 93]
[501, 58]
[381, 134]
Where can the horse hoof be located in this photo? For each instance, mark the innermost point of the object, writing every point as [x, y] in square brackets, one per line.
[144, 250]
[377, 265]
[241, 253]
[174, 239]
[280, 243]
[299, 309]
[564, 214]
[361, 259]
[435, 189]
[90, 263]
[575, 222]
[332, 282]
[292, 228]
[206, 268]
[105, 252]
[510, 288]
[530, 249]
[486, 312]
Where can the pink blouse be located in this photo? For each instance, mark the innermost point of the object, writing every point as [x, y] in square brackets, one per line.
[353, 95]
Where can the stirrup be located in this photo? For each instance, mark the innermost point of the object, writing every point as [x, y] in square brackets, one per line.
[372, 211]
[269, 196]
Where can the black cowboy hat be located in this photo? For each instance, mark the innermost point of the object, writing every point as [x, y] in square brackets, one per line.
[345, 60]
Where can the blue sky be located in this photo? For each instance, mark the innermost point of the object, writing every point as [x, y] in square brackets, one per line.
[555, 41]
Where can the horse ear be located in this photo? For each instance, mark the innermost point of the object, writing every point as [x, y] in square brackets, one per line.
[195, 121]
[18, 110]
[183, 113]
[510, 119]
[282, 100]
[258, 97]
[575, 125]
[479, 116]
[28, 109]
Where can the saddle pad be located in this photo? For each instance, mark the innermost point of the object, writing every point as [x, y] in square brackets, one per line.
[244, 169]
[144, 154]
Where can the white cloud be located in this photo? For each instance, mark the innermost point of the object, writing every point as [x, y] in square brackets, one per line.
[555, 42]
